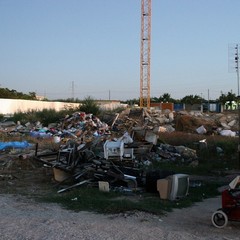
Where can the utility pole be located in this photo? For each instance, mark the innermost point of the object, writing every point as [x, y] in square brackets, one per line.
[233, 65]
[236, 59]
[146, 14]
[208, 100]
[73, 90]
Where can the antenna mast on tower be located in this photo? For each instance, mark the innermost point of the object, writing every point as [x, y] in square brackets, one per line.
[146, 14]
[72, 90]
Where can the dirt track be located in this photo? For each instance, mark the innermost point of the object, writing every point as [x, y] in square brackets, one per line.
[23, 219]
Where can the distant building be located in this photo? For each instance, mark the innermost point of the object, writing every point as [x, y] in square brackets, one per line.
[40, 98]
[110, 104]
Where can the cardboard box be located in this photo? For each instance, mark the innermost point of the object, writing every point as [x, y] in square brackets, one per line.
[163, 186]
[60, 175]
[103, 186]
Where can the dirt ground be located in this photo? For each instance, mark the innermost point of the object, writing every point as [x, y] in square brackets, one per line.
[23, 218]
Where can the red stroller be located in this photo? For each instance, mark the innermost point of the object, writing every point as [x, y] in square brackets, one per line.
[230, 210]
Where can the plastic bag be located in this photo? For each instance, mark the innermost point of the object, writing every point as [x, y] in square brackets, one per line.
[5, 145]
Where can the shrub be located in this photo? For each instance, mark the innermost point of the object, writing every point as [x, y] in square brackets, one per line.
[89, 105]
[1, 117]
[45, 116]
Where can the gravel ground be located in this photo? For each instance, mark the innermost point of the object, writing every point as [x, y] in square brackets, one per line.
[22, 219]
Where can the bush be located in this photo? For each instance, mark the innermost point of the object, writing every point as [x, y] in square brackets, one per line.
[1, 117]
[45, 116]
[90, 106]
[23, 117]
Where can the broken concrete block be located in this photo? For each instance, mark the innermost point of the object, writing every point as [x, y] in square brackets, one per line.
[225, 125]
[171, 117]
[161, 120]
[201, 130]
[170, 128]
[232, 123]
[7, 124]
[151, 137]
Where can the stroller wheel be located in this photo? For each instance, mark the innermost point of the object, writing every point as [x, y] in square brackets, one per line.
[219, 219]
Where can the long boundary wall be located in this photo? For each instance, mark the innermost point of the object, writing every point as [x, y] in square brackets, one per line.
[11, 106]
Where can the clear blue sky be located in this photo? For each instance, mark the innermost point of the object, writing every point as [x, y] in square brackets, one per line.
[53, 47]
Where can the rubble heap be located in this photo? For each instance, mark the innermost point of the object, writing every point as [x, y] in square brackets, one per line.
[119, 152]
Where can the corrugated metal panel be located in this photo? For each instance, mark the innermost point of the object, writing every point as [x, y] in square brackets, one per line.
[179, 106]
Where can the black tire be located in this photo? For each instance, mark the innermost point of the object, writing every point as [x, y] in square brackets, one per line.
[219, 219]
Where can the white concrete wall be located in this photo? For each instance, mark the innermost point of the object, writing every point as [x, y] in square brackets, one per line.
[112, 105]
[10, 106]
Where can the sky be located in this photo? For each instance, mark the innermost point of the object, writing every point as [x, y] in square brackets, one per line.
[80, 48]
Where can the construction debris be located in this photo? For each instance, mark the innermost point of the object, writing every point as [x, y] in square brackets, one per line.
[114, 155]
[91, 152]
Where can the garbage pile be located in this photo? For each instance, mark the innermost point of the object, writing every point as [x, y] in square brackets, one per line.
[207, 123]
[120, 164]
[157, 121]
[81, 164]
[117, 153]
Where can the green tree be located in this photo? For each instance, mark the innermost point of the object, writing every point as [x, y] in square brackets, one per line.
[13, 94]
[131, 102]
[229, 97]
[166, 97]
[191, 99]
[89, 105]
[32, 95]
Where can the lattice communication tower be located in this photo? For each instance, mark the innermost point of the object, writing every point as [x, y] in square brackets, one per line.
[233, 61]
[146, 14]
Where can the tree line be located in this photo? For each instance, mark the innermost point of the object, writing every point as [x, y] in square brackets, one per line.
[190, 99]
[13, 94]
[166, 97]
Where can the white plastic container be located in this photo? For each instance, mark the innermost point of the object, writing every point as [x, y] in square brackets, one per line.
[113, 149]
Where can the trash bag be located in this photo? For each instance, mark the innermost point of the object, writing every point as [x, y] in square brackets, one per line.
[227, 133]
[201, 130]
[5, 145]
